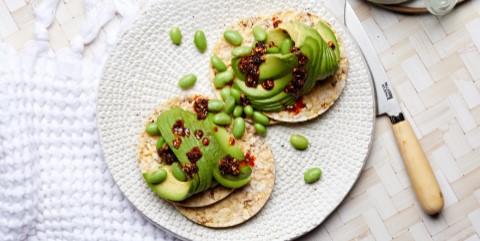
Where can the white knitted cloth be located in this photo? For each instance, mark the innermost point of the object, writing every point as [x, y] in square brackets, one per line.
[54, 183]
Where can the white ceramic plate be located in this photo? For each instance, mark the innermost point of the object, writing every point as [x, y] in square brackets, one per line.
[142, 72]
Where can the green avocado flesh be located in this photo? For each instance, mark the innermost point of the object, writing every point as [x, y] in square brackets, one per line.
[318, 43]
[172, 189]
[175, 190]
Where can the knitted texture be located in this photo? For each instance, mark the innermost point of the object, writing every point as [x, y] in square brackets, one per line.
[54, 183]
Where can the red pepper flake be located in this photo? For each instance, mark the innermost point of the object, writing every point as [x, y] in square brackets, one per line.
[268, 84]
[194, 154]
[250, 159]
[276, 21]
[177, 142]
[198, 134]
[190, 169]
[215, 129]
[297, 107]
[178, 128]
[331, 45]
[228, 165]
[201, 108]
[250, 65]
[231, 140]
[167, 155]
[205, 141]
[187, 132]
[244, 100]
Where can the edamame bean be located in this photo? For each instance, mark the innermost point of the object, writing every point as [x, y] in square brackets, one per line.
[238, 111]
[238, 128]
[222, 119]
[236, 94]
[259, 33]
[187, 81]
[215, 105]
[176, 35]
[178, 173]
[156, 177]
[160, 143]
[200, 41]
[286, 45]
[221, 79]
[273, 50]
[233, 37]
[218, 63]
[299, 142]
[260, 129]
[241, 51]
[258, 117]
[248, 110]
[152, 129]
[225, 93]
[312, 175]
[229, 105]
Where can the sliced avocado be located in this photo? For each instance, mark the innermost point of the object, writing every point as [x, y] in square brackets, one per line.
[203, 177]
[222, 138]
[239, 74]
[274, 103]
[328, 35]
[276, 36]
[171, 189]
[259, 92]
[277, 65]
[231, 181]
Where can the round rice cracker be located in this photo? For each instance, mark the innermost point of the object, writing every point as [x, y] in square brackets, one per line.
[322, 96]
[149, 160]
[247, 201]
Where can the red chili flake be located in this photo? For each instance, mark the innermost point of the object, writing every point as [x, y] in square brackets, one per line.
[205, 141]
[250, 159]
[268, 84]
[297, 107]
[231, 140]
[215, 129]
[250, 65]
[331, 45]
[167, 155]
[201, 108]
[177, 142]
[187, 132]
[228, 165]
[190, 169]
[194, 154]
[276, 21]
[198, 134]
[178, 128]
[244, 100]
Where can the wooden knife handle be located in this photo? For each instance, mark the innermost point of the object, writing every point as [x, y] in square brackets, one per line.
[419, 170]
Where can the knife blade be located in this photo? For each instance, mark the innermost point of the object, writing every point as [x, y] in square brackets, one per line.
[417, 165]
[386, 101]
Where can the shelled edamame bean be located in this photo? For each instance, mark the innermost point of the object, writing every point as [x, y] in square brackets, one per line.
[152, 129]
[233, 37]
[218, 63]
[299, 142]
[175, 35]
[312, 175]
[187, 81]
[238, 128]
[200, 41]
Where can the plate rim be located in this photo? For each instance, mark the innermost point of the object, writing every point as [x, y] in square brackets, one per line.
[137, 22]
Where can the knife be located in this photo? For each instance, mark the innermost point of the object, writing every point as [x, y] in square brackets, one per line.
[418, 168]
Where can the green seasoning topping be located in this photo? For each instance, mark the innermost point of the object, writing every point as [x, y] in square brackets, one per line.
[312, 175]
[233, 37]
[218, 63]
[187, 81]
[299, 142]
[176, 36]
[200, 41]
[152, 129]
